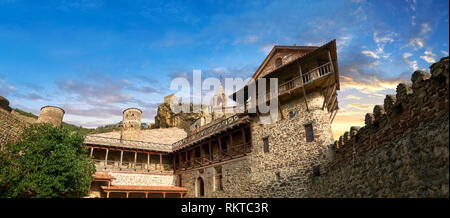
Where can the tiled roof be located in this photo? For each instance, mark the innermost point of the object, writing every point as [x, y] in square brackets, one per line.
[144, 188]
[103, 176]
[161, 136]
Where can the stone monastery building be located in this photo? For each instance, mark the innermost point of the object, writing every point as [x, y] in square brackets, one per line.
[227, 154]
[402, 151]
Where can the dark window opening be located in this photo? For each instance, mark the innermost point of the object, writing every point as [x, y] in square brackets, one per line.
[266, 145]
[277, 174]
[309, 133]
[278, 62]
[291, 114]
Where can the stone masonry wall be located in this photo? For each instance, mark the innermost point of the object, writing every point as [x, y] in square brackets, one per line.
[401, 152]
[142, 179]
[11, 126]
[289, 152]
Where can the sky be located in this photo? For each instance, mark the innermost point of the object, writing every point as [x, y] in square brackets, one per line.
[96, 58]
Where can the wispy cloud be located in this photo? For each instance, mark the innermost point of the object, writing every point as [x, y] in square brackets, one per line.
[429, 57]
[412, 64]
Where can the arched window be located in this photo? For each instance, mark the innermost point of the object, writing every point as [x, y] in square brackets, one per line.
[278, 62]
[200, 187]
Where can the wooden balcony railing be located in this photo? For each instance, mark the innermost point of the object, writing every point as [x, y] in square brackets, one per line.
[129, 166]
[307, 77]
[225, 154]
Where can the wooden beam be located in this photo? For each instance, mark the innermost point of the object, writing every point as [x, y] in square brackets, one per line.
[106, 157]
[334, 100]
[334, 115]
[135, 160]
[160, 162]
[331, 61]
[186, 161]
[92, 151]
[210, 152]
[121, 158]
[148, 160]
[220, 149]
[303, 86]
[331, 96]
[244, 140]
[279, 109]
[326, 93]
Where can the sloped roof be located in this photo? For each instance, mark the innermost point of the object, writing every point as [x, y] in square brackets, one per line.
[161, 136]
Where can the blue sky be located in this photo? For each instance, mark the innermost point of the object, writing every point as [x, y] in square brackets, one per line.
[95, 58]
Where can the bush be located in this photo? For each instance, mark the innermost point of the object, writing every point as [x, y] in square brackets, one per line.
[47, 162]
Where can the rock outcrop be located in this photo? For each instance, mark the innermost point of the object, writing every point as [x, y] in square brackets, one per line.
[166, 117]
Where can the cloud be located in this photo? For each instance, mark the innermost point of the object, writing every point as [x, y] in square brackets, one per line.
[353, 97]
[6, 88]
[444, 52]
[370, 54]
[429, 57]
[360, 106]
[418, 36]
[412, 64]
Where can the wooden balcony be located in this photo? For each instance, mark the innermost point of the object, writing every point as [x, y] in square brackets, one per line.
[307, 78]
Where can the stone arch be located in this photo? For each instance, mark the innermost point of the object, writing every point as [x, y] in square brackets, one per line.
[199, 187]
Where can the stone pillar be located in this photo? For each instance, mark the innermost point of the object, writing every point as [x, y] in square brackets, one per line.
[121, 158]
[92, 152]
[160, 162]
[106, 158]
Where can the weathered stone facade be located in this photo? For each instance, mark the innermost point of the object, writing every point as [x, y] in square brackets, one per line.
[166, 118]
[11, 127]
[401, 152]
[142, 179]
[51, 115]
[131, 124]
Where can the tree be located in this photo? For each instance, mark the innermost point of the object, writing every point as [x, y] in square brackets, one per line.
[47, 162]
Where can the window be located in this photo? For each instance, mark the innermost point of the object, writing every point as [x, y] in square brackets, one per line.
[291, 114]
[218, 185]
[278, 62]
[266, 145]
[309, 133]
[277, 175]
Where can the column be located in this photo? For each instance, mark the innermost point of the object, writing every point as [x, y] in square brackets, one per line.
[92, 152]
[146, 194]
[160, 162]
[127, 194]
[181, 194]
[186, 160]
[135, 158]
[121, 158]
[180, 163]
[230, 146]
[107, 194]
[148, 160]
[164, 195]
[244, 140]
[106, 158]
[210, 152]
[220, 149]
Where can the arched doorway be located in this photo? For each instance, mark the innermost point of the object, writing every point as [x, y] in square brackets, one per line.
[200, 187]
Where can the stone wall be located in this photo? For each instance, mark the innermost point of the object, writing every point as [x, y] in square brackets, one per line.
[142, 179]
[235, 179]
[51, 115]
[11, 126]
[401, 152]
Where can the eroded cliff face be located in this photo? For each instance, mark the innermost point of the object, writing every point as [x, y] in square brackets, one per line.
[166, 118]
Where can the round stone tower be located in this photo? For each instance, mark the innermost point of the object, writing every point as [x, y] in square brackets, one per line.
[131, 124]
[52, 115]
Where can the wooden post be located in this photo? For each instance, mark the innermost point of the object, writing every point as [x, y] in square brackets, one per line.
[220, 149]
[331, 96]
[180, 162]
[106, 158]
[146, 194]
[107, 194]
[173, 163]
[326, 93]
[135, 159]
[92, 152]
[121, 158]
[230, 148]
[303, 85]
[164, 195]
[181, 194]
[109, 184]
[201, 153]
[186, 161]
[334, 115]
[210, 152]
[243, 139]
[127, 194]
[160, 162]
[148, 160]
[331, 61]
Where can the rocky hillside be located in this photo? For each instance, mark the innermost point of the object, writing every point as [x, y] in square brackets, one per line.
[166, 118]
